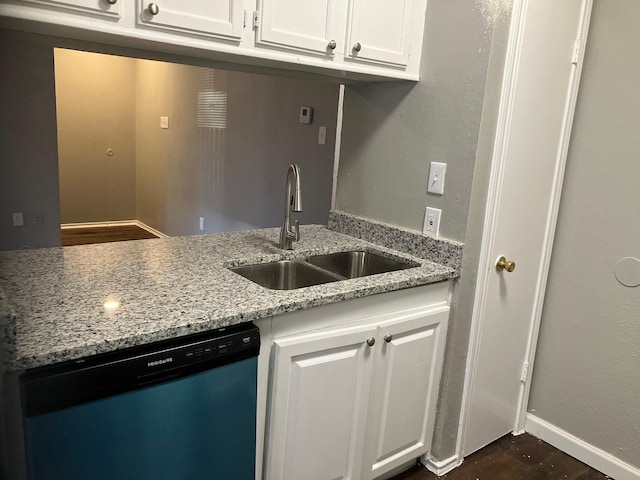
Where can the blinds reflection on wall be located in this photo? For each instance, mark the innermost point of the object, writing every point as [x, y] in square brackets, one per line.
[212, 121]
[212, 109]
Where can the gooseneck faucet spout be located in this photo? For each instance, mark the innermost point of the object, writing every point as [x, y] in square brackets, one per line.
[293, 203]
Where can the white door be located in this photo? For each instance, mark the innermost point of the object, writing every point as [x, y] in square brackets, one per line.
[404, 386]
[380, 32]
[318, 401]
[220, 18]
[316, 26]
[536, 115]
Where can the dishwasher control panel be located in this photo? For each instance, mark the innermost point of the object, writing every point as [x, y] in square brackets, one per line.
[227, 342]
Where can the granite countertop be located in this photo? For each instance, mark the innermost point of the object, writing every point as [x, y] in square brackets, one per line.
[65, 303]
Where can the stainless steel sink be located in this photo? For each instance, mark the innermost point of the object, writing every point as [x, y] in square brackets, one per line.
[357, 264]
[285, 274]
[318, 269]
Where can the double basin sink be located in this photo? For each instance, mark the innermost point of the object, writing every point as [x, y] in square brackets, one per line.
[319, 269]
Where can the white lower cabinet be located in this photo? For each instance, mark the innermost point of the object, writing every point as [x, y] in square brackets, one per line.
[404, 390]
[319, 400]
[355, 401]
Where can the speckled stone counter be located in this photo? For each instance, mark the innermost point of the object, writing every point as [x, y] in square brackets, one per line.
[60, 304]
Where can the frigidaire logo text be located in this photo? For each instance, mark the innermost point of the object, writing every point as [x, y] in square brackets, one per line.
[162, 361]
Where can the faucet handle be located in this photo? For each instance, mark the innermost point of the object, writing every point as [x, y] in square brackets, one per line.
[297, 225]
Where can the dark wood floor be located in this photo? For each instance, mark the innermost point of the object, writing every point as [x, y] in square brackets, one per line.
[513, 458]
[112, 233]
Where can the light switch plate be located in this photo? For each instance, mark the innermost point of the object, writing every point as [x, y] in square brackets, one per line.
[164, 122]
[322, 135]
[432, 222]
[18, 220]
[436, 178]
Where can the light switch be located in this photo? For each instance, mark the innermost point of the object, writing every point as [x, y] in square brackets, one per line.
[436, 178]
[164, 122]
[322, 135]
[18, 220]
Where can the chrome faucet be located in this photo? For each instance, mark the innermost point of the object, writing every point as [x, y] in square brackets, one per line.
[293, 203]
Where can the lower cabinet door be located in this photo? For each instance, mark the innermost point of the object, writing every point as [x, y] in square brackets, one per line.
[404, 389]
[318, 404]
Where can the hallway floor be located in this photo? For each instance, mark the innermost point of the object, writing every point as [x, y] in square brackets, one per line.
[513, 458]
[111, 233]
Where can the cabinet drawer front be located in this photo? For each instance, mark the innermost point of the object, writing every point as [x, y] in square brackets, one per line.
[380, 35]
[223, 19]
[318, 405]
[306, 26]
[94, 7]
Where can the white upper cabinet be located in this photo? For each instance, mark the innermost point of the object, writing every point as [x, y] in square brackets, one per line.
[218, 18]
[361, 40]
[380, 33]
[313, 26]
[103, 8]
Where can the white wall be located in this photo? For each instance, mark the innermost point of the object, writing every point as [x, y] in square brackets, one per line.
[586, 378]
[96, 108]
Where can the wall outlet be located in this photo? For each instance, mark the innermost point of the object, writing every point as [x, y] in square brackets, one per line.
[432, 222]
[39, 218]
[436, 178]
[201, 224]
[18, 220]
[164, 122]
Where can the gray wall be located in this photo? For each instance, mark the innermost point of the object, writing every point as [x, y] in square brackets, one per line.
[233, 177]
[96, 108]
[238, 184]
[29, 157]
[393, 131]
[586, 372]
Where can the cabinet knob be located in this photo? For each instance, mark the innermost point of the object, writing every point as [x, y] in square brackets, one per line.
[371, 341]
[388, 337]
[111, 2]
[153, 8]
[503, 264]
[332, 45]
[357, 47]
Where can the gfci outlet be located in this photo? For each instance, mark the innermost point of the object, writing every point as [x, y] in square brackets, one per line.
[432, 222]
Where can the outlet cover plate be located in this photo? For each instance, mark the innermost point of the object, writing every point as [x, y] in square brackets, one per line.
[432, 222]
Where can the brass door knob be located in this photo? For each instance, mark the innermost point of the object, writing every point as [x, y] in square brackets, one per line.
[503, 264]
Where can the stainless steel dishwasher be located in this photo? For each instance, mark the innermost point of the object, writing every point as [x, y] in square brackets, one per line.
[180, 410]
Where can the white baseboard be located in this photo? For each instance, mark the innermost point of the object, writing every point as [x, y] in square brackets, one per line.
[583, 451]
[441, 467]
[112, 223]
[149, 229]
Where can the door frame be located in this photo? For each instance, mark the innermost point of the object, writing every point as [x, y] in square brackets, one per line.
[498, 162]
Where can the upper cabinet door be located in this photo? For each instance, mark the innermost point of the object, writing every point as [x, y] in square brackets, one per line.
[219, 18]
[380, 32]
[316, 26]
[404, 389]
